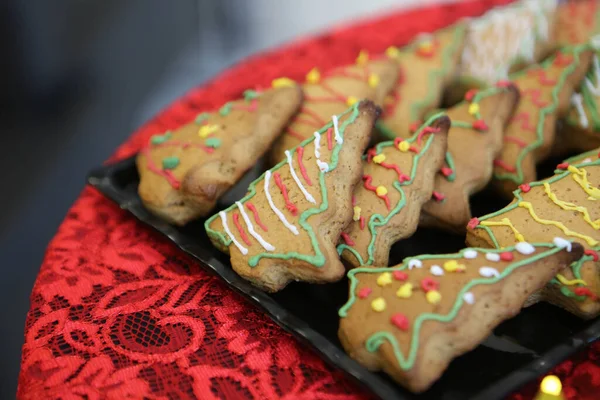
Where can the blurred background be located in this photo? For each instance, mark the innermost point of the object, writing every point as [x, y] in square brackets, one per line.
[78, 76]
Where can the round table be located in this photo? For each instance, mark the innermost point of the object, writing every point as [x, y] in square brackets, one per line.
[117, 311]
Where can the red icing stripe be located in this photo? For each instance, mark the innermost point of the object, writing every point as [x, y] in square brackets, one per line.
[534, 95]
[543, 78]
[295, 134]
[425, 131]
[523, 117]
[329, 139]
[236, 222]
[367, 182]
[347, 239]
[502, 164]
[174, 182]
[353, 201]
[300, 153]
[362, 223]
[252, 208]
[592, 253]
[288, 204]
[584, 291]
[513, 139]
[401, 176]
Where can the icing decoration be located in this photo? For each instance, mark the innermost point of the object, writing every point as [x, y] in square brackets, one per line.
[428, 284]
[470, 253]
[170, 162]
[160, 139]
[266, 245]
[437, 196]
[207, 130]
[436, 270]
[291, 207]
[373, 80]
[237, 244]
[403, 146]
[488, 272]
[562, 243]
[414, 263]
[506, 256]
[384, 279]
[362, 58]
[250, 94]
[313, 76]
[468, 297]
[492, 257]
[277, 212]
[282, 82]
[433, 297]
[238, 226]
[399, 275]
[351, 100]
[400, 321]
[300, 153]
[364, 293]
[215, 143]
[454, 266]
[406, 361]
[378, 304]
[347, 239]
[254, 211]
[200, 118]
[524, 248]
[307, 195]
[405, 291]
[505, 222]
[473, 223]
[392, 52]
[525, 187]
[567, 282]
[356, 216]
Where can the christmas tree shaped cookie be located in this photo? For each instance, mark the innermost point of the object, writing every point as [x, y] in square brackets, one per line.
[506, 37]
[567, 204]
[546, 90]
[397, 180]
[428, 64]
[577, 21]
[286, 228]
[184, 172]
[474, 140]
[411, 320]
[327, 94]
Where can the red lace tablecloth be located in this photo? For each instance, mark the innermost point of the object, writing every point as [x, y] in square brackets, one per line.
[117, 311]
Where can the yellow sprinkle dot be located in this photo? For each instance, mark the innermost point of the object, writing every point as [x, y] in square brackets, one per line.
[313, 76]
[362, 58]
[206, 130]
[405, 291]
[403, 146]
[381, 191]
[379, 158]
[378, 304]
[384, 279]
[392, 52]
[356, 216]
[373, 80]
[433, 297]
[282, 82]
[426, 46]
[474, 109]
[453, 266]
[351, 100]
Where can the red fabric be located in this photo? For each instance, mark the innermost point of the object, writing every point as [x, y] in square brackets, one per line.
[118, 312]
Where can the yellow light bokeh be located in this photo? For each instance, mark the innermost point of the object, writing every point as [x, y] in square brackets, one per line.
[551, 385]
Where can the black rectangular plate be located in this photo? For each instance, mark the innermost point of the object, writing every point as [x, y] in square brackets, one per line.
[518, 351]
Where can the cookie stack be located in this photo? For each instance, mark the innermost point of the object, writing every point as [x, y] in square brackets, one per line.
[478, 104]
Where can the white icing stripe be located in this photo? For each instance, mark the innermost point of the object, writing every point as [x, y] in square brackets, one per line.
[233, 239]
[323, 166]
[281, 217]
[577, 101]
[317, 145]
[297, 180]
[595, 89]
[266, 245]
[338, 138]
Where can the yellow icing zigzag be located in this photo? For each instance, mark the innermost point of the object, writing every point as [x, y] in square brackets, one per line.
[565, 205]
[505, 222]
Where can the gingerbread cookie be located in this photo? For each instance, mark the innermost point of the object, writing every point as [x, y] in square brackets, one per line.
[184, 172]
[577, 21]
[411, 320]
[546, 91]
[287, 226]
[397, 180]
[565, 204]
[474, 140]
[331, 93]
[505, 38]
[428, 65]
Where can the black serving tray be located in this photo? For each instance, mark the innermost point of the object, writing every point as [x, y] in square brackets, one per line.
[518, 351]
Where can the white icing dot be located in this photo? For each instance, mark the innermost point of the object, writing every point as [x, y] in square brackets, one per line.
[562, 243]
[414, 263]
[469, 253]
[492, 257]
[587, 160]
[524, 248]
[436, 270]
[488, 272]
[469, 298]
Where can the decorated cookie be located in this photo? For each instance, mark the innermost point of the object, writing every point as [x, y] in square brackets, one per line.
[288, 225]
[506, 37]
[411, 320]
[567, 204]
[327, 94]
[184, 172]
[474, 140]
[427, 66]
[577, 21]
[397, 180]
[546, 91]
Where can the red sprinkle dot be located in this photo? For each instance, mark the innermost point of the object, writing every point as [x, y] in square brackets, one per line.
[564, 165]
[473, 223]
[400, 276]
[400, 321]
[525, 187]
[446, 171]
[584, 291]
[428, 284]
[506, 256]
[503, 84]
[470, 94]
[437, 196]
[414, 126]
[364, 293]
[592, 253]
[480, 125]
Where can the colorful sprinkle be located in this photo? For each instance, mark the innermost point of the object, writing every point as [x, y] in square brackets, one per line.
[364, 293]
[433, 297]
[488, 272]
[470, 94]
[564, 165]
[351, 100]
[473, 223]
[470, 254]
[392, 52]
[356, 216]
[282, 82]
[250, 94]
[206, 130]
[170, 162]
[480, 125]
[362, 58]
[404, 146]
[436, 270]
[400, 276]
[446, 171]
[437, 196]
[378, 159]
[373, 80]
[384, 279]
[454, 266]
[313, 76]
[400, 321]
[469, 298]
[405, 291]
[474, 109]
[524, 248]
[414, 263]
[493, 257]
[525, 187]
[381, 191]
[213, 142]
[160, 139]
[507, 256]
[428, 284]
[200, 118]
[378, 304]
